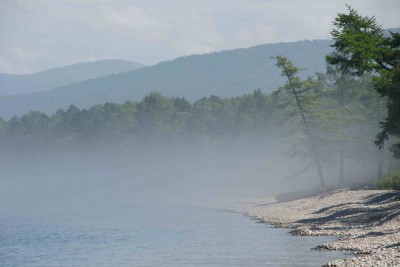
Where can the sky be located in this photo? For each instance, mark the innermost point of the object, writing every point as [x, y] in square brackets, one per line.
[36, 35]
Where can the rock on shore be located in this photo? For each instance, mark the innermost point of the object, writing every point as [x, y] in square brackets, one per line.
[366, 221]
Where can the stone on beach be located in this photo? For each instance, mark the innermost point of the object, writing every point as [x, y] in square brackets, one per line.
[366, 221]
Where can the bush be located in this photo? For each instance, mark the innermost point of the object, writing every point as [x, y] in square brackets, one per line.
[390, 181]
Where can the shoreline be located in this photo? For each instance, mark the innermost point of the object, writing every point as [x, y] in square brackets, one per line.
[366, 222]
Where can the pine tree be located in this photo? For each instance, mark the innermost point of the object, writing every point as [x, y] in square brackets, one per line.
[296, 88]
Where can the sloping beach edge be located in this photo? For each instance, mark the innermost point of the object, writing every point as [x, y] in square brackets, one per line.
[366, 222]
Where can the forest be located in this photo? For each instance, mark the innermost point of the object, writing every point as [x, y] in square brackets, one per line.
[342, 113]
[327, 119]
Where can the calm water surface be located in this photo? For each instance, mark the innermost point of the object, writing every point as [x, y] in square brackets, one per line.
[152, 236]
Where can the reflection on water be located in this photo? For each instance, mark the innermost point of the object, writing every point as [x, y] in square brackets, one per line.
[152, 236]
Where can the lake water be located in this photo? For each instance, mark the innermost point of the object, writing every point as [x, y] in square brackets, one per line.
[147, 235]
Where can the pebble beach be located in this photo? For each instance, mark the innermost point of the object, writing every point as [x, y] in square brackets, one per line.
[366, 222]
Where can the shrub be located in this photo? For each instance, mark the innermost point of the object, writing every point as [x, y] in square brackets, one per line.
[390, 181]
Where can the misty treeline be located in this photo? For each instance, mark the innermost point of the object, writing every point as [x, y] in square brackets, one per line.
[156, 120]
[342, 113]
[361, 48]
[337, 118]
[329, 120]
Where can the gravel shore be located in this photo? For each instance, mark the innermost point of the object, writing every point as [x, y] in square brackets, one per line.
[366, 221]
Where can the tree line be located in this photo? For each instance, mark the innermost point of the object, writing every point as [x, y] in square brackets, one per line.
[154, 120]
[327, 119]
[341, 113]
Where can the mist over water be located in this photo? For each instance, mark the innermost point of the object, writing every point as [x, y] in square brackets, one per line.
[185, 175]
[154, 208]
[193, 175]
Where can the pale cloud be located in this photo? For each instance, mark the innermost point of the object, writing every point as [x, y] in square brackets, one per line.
[143, 25]
[312, 19]
[18, 53]
[260, 34]
[8, 66]
[18, 60]
[146, 22]
[195, 30]
[5, 66]
[46, 33]
[135, 19]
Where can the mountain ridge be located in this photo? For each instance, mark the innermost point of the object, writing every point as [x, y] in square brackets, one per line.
[226, 73]
[61, 76]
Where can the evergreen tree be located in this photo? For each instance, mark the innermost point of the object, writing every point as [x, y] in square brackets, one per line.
[361, 46]
[296, 88]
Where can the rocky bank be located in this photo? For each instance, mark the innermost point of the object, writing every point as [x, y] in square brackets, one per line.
[367, 222]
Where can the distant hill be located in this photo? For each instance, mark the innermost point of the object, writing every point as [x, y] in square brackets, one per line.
[386, 32]
[226, 73]
[45, 80]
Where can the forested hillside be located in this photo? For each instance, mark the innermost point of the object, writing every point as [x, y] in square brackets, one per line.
[45, 80]
[342, 113]
[225, 74]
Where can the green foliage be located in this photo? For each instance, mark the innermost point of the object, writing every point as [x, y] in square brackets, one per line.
[358, 42]
[350, 111]
[390, 181]
[299, 100]
[335, 112]
[361, 46]
[301, 95]
[155, 119]
[213, 122]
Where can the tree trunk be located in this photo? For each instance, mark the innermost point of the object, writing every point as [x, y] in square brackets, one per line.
[380, 164]
[310, 137]
[341, 104]
[341, 167]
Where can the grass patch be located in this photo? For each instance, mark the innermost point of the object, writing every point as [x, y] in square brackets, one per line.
[390, 181]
